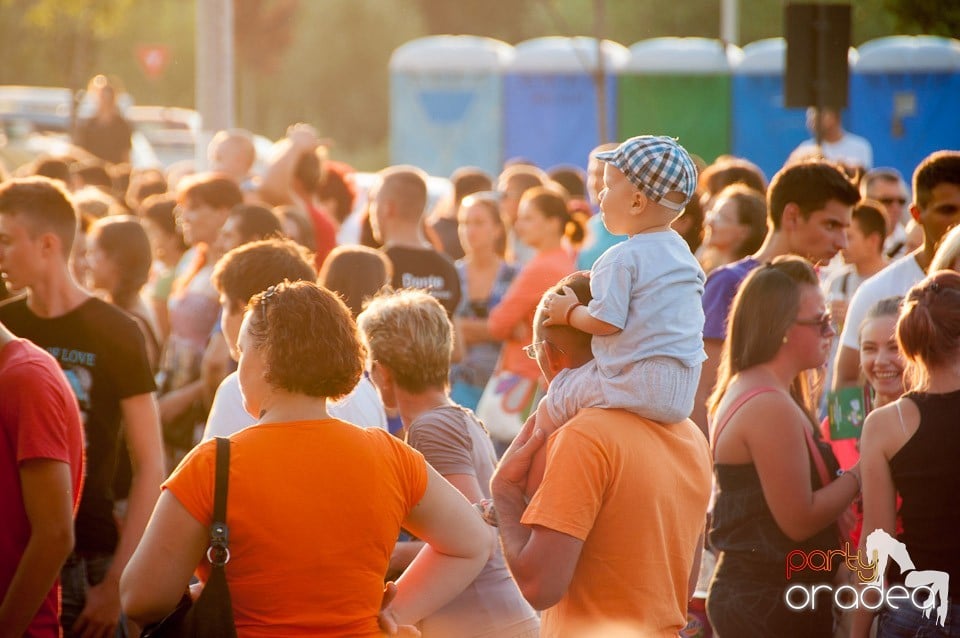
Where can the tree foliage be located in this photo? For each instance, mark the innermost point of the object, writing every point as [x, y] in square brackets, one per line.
[933, 17]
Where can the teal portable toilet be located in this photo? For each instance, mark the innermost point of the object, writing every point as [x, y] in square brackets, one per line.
[905, 98]
[445, 103]
[679, 87]
[550, 99]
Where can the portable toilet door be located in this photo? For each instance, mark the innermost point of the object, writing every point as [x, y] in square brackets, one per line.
[679, 87]
[445, 103]
[550, 99]
[763, 130]
[904, 97]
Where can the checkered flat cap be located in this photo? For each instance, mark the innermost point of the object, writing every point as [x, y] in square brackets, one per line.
[657, 165]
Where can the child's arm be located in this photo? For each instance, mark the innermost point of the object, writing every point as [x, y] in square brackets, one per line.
[563, 309]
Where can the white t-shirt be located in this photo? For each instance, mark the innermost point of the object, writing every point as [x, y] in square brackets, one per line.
[361, 407]
[849, 149]
[893, 281]
[650, 286]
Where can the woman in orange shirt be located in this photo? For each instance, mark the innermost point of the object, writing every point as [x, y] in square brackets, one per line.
[314, 504]
[545, 224]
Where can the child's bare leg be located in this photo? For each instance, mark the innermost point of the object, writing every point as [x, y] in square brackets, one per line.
[539, 461]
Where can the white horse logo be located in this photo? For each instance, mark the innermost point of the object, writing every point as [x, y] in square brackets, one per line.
[883, 547]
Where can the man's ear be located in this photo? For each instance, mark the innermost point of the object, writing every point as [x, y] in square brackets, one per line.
[790, 217]
[50, 244]
[915, 212]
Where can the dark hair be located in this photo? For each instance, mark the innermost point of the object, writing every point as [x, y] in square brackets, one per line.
[356, 273]
[124, 241]
[764, 308]
[886, 307]
[751, 212]
[253, 267]
[572, 178]
[467, 181]
[143, 185]
[729, 171]
[309, 170]
[255, 222]
[554, 206]
[210, 189]
[942, 167]
[574, 341]
[161, 210]
[93, 173]
[928, 330]
[693, 212]
[490, 203]
[337, 184]
[304, 226]
[809, 185]
[44, 206]
[516, 179]
[307, 338]
[870, 219]
[52, 167]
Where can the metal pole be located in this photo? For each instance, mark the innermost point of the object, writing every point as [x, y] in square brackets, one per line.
[215, 78]
[730, 21]
[600, 74]
[819, 84]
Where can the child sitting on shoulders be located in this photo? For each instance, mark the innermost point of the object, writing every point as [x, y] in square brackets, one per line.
[646, 314]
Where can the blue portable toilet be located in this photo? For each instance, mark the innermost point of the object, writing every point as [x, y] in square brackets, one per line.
[550, 99]
[445, 103]
[763, 130]
[904, 97]
[679, 87]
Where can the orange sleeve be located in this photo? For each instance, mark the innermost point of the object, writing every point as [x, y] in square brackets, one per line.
[192, 482]
[520, 300]
[411, 467]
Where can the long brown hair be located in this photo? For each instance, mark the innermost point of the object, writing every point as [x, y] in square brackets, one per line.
[763, 310]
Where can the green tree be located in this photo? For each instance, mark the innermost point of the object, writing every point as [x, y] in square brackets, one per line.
[933, 17]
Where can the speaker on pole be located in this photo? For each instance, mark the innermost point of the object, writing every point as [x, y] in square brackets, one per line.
[817, 72]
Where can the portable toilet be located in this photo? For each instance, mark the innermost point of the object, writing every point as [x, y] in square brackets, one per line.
[550, 99]
[679, 87]
[764, 131]
[445, 103]
[904, 97]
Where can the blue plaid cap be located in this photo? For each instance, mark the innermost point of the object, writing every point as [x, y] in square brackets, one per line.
[657, 165]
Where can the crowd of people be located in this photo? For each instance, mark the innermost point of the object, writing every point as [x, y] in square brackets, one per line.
[561, 403]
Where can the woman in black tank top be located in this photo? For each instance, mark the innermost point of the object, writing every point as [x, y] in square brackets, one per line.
[911, 447]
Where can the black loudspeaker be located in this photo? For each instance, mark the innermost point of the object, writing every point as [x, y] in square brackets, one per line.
[818, 37]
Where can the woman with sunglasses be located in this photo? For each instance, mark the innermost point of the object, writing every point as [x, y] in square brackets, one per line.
[314, 504]
[778, 489]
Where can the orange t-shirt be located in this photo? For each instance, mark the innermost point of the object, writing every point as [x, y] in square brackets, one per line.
[635, 492]
[313, 509]
[519, 304]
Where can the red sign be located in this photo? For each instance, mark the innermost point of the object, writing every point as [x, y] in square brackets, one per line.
[153, 59]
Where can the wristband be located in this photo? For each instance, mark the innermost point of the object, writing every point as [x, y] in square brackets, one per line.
[566, 315]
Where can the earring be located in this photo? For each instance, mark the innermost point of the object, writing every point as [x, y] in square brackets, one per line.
[784, 338]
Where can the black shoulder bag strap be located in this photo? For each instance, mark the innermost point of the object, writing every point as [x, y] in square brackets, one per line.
[214, 610]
